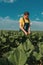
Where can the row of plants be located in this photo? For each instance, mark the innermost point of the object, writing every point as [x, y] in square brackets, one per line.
[18, 49]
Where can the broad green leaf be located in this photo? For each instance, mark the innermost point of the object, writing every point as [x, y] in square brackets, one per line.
[37, 55]
[18, 57]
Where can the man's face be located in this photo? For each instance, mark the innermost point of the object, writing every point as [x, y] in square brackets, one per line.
[26, 16]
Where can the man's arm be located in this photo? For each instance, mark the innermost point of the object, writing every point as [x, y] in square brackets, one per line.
[22, 29]
[29, 30]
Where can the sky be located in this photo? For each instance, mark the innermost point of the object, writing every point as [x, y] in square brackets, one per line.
[12, 10]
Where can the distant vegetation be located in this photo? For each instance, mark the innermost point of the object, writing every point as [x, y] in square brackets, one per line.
[17, 49]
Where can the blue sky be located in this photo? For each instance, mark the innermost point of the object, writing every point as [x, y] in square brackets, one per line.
[12, 10]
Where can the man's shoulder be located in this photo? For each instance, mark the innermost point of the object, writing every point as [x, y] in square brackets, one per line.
[21, 19]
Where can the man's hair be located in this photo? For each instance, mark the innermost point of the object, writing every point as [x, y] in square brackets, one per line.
[26, 13]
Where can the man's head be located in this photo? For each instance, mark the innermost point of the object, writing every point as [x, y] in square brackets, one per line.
[26, 14]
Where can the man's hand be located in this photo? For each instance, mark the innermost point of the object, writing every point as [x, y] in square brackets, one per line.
[28, 33]
[25, 33]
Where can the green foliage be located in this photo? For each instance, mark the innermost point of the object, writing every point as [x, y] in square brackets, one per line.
[37, 55]
[18, 57]
[17, 49]
[5, 61]
[3, 39]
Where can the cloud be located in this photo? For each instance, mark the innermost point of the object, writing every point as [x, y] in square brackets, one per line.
[37, 25]
[20, 15]
[42, 13]
[7, 23]
[37, 19]
[7, 1]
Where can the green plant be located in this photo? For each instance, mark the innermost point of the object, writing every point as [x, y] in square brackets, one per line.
[17, 49]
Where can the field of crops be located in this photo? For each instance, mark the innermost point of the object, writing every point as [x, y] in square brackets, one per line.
[17, 49]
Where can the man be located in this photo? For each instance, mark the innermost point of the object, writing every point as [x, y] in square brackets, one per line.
[24, 23]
